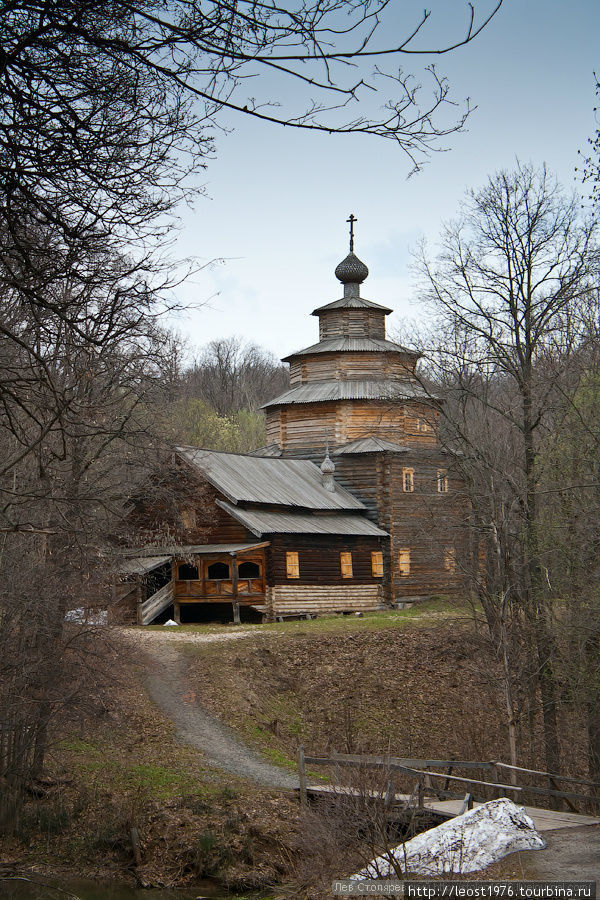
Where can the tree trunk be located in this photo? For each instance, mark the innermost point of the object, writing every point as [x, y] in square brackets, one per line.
[544, 643]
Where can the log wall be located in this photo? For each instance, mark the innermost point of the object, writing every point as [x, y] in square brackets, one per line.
[351, 323]
[319, 559]
[326, 366]
[322, 599]
[302, 427]
[432, 525]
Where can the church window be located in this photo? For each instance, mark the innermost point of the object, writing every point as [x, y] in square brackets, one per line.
[450, 560]
[292, 564]
[442, 481]
[408, 480]
[218, 571]
[187, 572]
[346, 564]
[404, 561]
[377, 564]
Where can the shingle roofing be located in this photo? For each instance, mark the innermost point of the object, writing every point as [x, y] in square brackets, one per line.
[370, 445]
[363, 344]
[255, 479]
[139, 565]
[352, 303]
[323, 391]
[262, 521]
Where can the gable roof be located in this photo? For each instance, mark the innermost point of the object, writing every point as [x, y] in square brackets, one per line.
[254, 479]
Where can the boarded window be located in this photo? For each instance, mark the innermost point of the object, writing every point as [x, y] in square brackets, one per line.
[377, 564]
[346, 564]
[218, 571]
[292, 564]
[450, 560]
[187, 572]
[442, 481]
[248, 570]
[404, 561]
[408, 480]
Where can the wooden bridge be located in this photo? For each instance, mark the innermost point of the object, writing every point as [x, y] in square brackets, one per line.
[432, 788]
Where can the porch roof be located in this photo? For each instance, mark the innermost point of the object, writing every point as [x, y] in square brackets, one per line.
[139, 565]
[211, 549]
[145, 558]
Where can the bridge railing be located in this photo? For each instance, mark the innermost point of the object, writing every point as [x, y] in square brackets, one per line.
[422, 773]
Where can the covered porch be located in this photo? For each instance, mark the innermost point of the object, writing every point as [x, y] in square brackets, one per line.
[218, 574]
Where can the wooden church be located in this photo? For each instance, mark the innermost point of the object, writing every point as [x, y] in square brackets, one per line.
[352, 506]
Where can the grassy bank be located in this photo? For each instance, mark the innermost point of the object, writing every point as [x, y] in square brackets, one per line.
[118, 767]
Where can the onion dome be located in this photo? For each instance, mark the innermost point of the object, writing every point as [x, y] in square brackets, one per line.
[327, 466]
[351, 270]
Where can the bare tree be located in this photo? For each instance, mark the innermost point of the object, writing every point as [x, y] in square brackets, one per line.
[231, 375]
[77, 390]
[507, 287]
[590, 173]
[106, 111]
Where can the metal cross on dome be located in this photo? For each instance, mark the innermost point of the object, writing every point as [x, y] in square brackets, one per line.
[352, 220]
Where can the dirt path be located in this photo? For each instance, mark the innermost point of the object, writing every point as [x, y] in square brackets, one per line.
[573, 854]
[166, 679]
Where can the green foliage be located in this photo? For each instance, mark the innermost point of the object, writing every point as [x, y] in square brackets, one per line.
[197, 424]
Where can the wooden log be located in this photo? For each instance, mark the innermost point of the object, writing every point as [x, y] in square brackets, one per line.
[136, 846]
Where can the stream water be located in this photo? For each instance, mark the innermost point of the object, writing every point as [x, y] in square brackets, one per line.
[37, 888]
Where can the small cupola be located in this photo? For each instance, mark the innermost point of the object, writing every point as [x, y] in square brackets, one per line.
[327, 471]
[352, 270]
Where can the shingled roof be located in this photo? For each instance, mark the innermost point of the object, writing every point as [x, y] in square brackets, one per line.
[352, 389]
[354, 345]
[266, 521]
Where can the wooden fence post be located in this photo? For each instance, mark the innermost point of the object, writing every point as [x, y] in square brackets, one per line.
[302, 776]
[496, 777]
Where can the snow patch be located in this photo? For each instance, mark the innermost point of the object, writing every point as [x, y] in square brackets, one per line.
[169, 623]
[464, 844]
[85, 616]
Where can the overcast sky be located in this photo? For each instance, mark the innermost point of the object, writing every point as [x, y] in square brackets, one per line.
[277, 200]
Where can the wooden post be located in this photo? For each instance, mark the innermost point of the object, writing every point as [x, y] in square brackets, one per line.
[236, 614]
[427, 780]
[177, 613]
[135, 845]
[390, 792]
[234, 576]
[302, 776]
[565, 800]
[496, 777]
